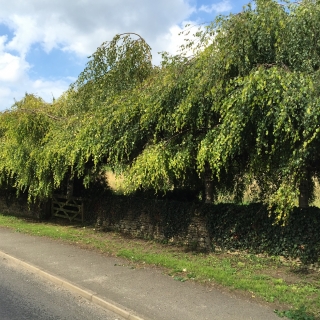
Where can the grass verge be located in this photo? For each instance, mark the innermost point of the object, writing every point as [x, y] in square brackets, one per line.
[293, 290]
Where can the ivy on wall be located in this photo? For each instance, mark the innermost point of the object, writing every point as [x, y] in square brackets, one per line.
[230, 226]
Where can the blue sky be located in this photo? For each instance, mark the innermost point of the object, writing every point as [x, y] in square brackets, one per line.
[44, 44]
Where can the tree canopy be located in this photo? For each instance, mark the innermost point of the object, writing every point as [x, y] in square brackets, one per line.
[243, 108]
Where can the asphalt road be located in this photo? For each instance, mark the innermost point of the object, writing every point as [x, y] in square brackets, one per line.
[134, 292]
[24, 296]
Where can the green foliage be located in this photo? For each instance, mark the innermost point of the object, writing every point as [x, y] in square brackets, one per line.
[250, 227]
[242, 109]
[116, 66]
[267, 102]
[243, 104]
[22, 139]
[298, 314]
[42, 143]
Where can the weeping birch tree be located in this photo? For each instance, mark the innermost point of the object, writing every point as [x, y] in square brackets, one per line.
[243, 108]
[268, 65]
[42, 143]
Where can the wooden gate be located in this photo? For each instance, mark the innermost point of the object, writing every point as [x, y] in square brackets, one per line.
[67, 207]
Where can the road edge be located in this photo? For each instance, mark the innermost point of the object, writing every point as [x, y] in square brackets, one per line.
[75, 289]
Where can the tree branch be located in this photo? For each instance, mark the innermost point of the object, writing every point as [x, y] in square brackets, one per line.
[40, 111]
[140, 39]
[182, 132]
[271, 65]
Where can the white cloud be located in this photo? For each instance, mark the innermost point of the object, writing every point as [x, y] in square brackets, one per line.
[15, 82]
[223, 6]
[26, 33]
[81, 26]
[46, 89]
[78, 28]
[3, 40]
[12, 67]
[176, 37]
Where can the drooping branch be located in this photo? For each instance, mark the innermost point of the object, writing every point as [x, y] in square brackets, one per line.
[140, 39]
[180, 133]
[176, 135]
[271, 65]
[42, 112]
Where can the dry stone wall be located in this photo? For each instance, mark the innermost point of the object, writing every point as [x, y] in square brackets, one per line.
[198, 226]
[146, 220]
[18, 206]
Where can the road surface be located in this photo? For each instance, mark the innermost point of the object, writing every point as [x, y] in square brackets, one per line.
[24, 296]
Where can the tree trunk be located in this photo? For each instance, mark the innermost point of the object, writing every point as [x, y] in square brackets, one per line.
[304, 193]
[208, 184]
[70, 187]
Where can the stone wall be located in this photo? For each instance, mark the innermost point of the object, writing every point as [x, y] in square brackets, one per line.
[141, 218]
[146, 222]
[11, 205]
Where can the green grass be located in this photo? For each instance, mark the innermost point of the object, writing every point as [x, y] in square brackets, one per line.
[292, 290]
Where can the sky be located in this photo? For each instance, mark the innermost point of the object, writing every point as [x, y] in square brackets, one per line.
[45, 44]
